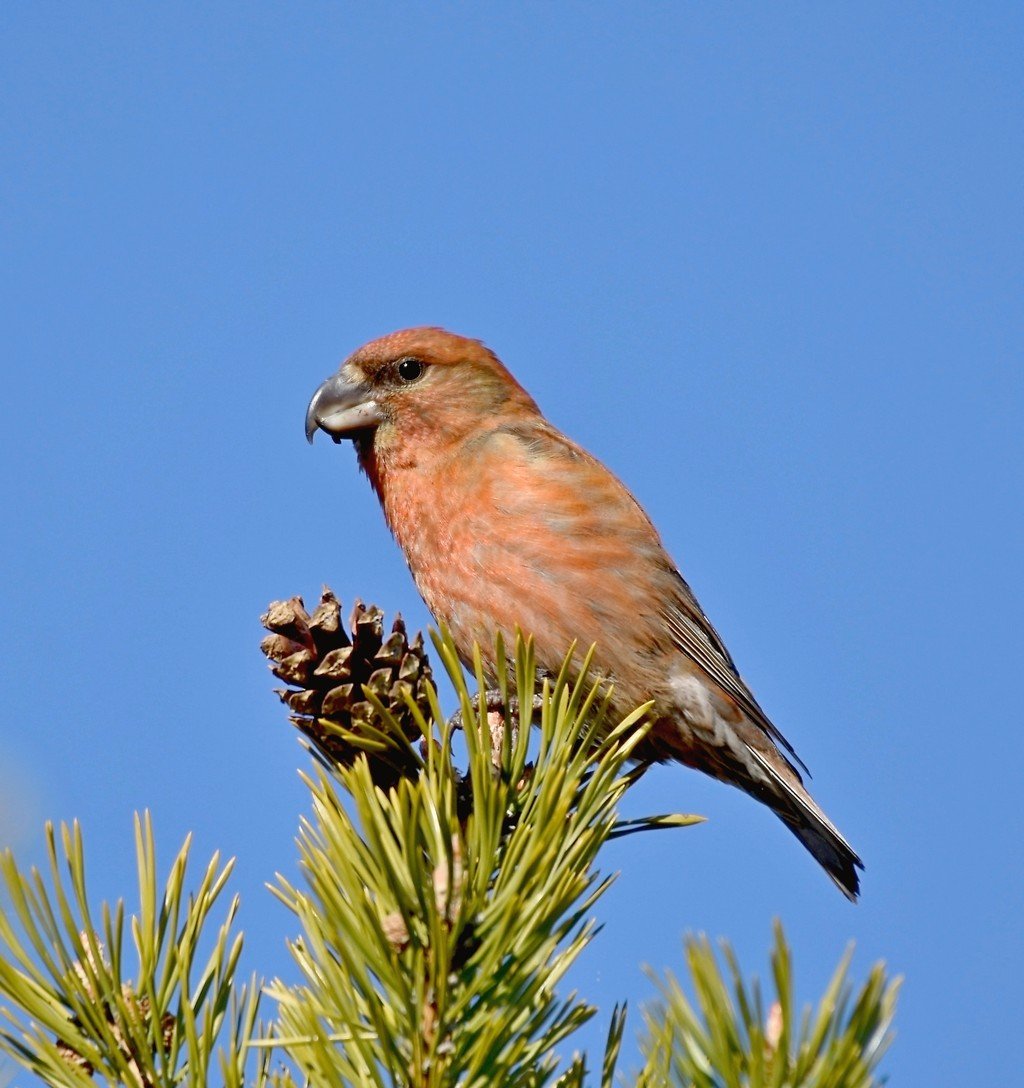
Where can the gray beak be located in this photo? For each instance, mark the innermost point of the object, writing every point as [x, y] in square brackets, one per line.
[341, 409]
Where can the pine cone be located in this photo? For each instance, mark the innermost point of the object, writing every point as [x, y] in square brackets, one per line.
[328, 670]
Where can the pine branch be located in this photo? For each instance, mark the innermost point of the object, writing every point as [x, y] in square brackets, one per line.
[439, 916]
[74, 1012]
[440, 912]
[726, 1038]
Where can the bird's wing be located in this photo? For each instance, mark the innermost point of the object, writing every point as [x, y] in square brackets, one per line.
[694, 635]
[576, 476]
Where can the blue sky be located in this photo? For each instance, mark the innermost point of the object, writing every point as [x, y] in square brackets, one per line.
[764, 260]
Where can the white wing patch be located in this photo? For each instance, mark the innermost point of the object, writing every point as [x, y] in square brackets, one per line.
[702, 644]
[692, 700]
[698, 720]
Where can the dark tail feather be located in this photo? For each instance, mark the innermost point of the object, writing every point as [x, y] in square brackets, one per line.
[831, 850]
[797, 810]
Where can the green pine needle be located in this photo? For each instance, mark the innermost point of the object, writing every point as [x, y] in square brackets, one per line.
[440, 916]
[726, 1038]
[71, 1010]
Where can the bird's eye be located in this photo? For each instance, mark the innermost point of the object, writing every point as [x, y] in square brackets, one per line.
[410, 369]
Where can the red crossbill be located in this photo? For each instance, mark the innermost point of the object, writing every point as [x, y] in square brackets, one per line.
[506, 523]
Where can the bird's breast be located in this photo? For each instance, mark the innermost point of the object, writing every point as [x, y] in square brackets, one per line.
[505, 536]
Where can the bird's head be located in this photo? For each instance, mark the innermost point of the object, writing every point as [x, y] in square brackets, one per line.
[415, 389]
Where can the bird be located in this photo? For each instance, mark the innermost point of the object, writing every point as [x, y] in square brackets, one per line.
[508, 525]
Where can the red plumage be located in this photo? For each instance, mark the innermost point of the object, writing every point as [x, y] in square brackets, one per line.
[507, 523]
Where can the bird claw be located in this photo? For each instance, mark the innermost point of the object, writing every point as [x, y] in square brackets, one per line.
[498, 717]
[494, 703]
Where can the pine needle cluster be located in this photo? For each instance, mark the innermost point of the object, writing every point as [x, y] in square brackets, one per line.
[443, 900]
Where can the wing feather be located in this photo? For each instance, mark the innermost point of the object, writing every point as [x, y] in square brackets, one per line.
[694, 635]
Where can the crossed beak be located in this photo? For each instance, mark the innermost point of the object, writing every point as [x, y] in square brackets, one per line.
[342, 409]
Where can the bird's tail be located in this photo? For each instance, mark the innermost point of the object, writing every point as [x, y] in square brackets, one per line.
[798, 811]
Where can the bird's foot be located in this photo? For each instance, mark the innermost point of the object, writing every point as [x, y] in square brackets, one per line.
[500, 717]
